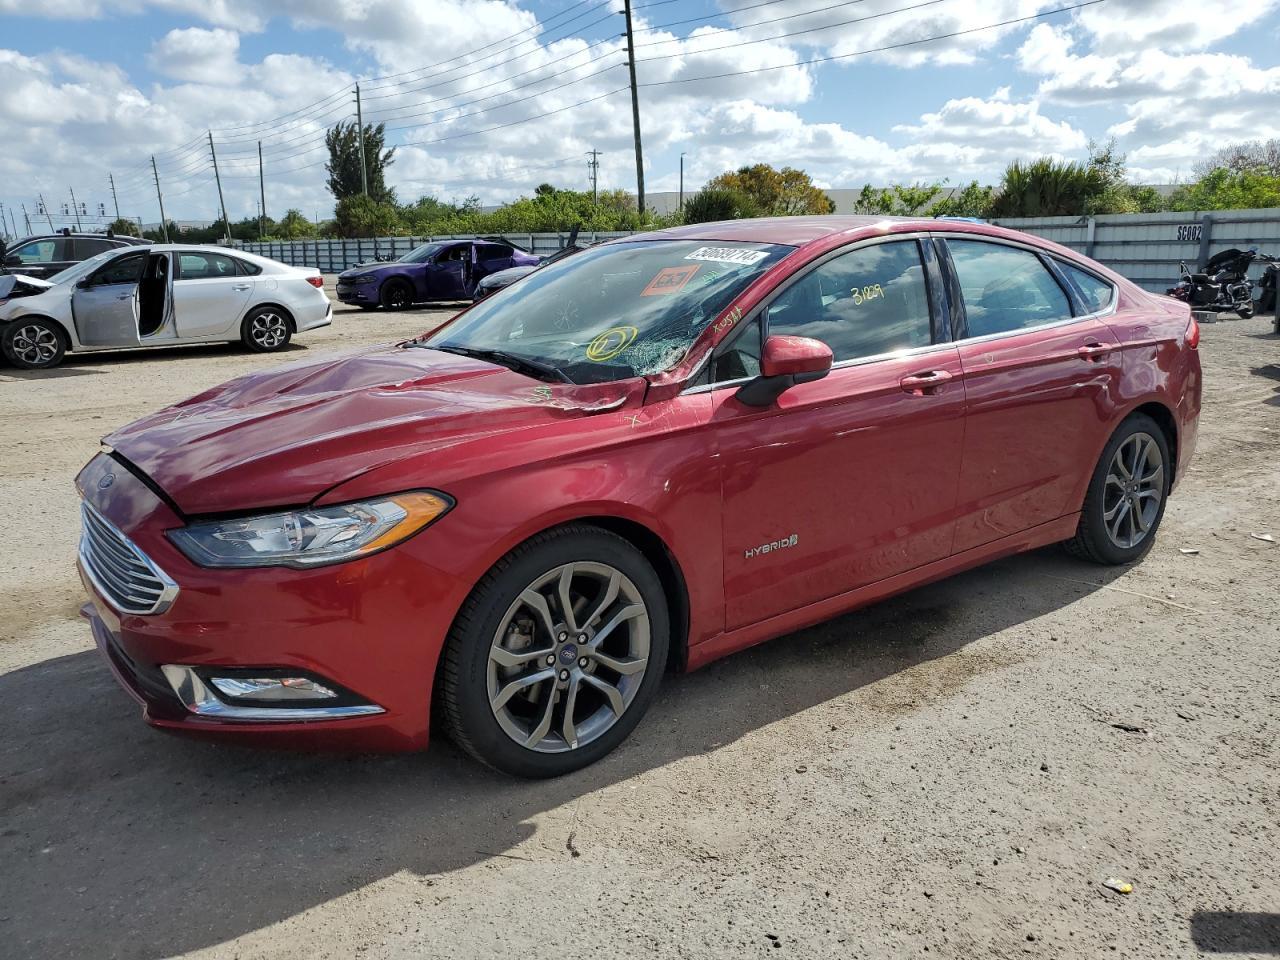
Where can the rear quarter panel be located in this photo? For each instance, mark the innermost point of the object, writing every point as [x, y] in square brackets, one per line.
[1157, 367]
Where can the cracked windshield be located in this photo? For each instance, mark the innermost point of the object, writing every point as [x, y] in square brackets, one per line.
[611, 312]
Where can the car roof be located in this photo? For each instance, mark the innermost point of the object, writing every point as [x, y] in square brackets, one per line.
[802, 231]
[118, 238]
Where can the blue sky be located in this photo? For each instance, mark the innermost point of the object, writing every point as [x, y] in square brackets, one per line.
[94, 86]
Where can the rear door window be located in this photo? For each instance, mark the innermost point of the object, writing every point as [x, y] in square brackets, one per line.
[1095, 293]
[204, 266]
[85, 247]
[1005, 288]
[869, 301]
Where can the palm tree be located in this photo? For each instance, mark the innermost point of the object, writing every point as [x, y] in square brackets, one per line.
[1046, 188]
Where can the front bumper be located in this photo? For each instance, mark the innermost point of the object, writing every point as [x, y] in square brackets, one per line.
[358, 625]
[357, 292]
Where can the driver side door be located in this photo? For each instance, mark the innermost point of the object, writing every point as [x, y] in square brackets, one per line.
[104, 305]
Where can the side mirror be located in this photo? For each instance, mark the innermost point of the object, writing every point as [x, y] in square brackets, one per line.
[12, 260]
[784, 362]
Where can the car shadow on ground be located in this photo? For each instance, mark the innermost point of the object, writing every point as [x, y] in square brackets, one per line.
[1231, 932]
[1272, 372]
[120, 841]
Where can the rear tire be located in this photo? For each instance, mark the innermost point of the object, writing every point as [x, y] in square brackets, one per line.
[1246, 313]
[499, 697]
[266, 330]
[1126, 497]
[32, 343]
[397, 295]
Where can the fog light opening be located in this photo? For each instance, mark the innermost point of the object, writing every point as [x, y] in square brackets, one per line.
[263, 695]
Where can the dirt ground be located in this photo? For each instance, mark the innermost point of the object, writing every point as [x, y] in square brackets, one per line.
[954, 773]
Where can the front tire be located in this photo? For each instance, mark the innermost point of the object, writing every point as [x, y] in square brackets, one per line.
[1127, 493]
[397, 295]
[556, 655]
[33, 344]
[266, 330]
[1246, 313]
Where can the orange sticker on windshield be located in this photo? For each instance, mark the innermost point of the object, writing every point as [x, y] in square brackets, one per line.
[670, 280]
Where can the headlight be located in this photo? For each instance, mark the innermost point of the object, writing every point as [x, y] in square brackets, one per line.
[364, 278]
[313, 536]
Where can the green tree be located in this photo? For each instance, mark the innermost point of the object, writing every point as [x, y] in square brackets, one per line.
[361, 216]
[897, 200]
[1256, 155]
[1046, 188]
[343, 141]
[775, 193]
[294, 225]
[1224, 189]
[970, 200]
[125, 228]
[719, 203]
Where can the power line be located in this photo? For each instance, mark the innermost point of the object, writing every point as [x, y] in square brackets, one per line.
[862, 53]
[793, 33]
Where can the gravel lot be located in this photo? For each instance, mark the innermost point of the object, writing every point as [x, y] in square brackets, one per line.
[952, 773]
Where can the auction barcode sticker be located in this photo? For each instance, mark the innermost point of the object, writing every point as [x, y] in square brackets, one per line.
[727, 255]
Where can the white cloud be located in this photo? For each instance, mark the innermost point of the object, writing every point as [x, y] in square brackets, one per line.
[198, 55]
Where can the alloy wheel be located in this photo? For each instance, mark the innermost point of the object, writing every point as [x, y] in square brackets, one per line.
[397, 297]
[35, 345]
[568, 657]
[268, 330]
[1133, 491]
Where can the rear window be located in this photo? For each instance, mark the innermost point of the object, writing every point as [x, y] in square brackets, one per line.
[1095, 292]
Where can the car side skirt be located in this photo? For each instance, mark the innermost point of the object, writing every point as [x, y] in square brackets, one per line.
[1054, 531]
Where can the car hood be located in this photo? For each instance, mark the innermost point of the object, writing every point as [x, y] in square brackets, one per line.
[378, 266]
[284, 437]
[20, 285]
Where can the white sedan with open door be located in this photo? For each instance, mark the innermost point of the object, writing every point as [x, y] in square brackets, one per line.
[155, 296]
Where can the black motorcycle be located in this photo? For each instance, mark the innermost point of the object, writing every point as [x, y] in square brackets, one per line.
[1224, 285]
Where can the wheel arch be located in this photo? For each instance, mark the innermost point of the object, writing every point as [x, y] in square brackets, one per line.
[1168, 423]
[70, 342]
[652, 547]
[274, 305]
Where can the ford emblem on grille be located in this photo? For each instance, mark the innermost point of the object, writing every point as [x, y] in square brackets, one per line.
[107, 480]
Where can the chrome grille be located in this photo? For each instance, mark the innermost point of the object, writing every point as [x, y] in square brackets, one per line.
[122, 573]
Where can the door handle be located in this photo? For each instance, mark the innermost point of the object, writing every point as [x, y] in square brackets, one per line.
[925, 384]
[1094, 351]
[243, 286]
[125, 296]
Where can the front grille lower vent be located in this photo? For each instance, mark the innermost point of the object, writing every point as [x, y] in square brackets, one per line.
[123, 574]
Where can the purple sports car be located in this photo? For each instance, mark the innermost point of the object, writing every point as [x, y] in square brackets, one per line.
[442, 270]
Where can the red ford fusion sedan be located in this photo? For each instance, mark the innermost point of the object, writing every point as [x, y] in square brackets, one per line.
[640, 458]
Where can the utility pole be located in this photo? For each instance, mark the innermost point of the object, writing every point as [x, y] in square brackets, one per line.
[635, 107]
[682, 184]
[164, 221]
[114, 199]
[26, 218]
[45, 207]
[13, 221]
[364, 164]
[262, 195]
[75, 208]
[218, 179]
[594, 166]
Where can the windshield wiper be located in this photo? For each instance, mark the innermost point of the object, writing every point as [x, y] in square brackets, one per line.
[525, 365]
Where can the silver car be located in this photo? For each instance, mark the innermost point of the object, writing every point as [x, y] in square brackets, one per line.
[158, 295]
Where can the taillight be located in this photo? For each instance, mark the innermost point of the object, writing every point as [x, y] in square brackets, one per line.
[1193, 333]
[317, 282]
